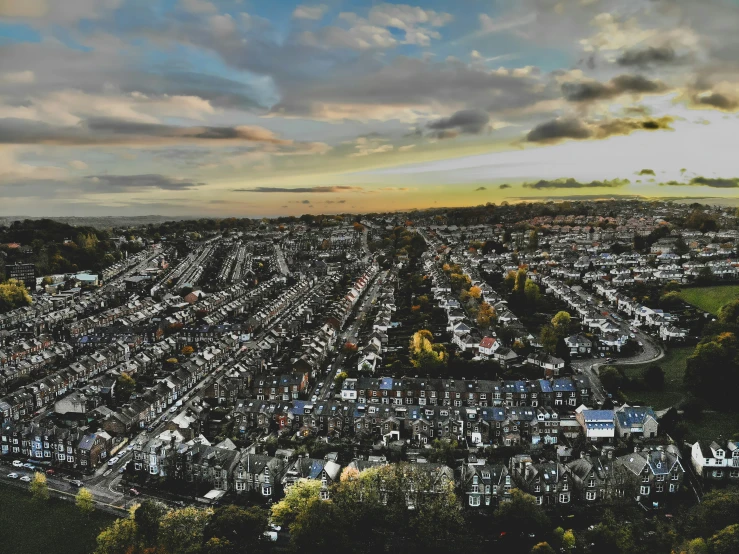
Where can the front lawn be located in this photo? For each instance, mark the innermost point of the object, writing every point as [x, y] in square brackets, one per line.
[710, 299]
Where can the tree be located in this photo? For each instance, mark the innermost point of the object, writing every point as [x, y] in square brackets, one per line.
[181, 531]
[475, 292]
[714, 360]
[242, 528]
[424, 353]
[13, 294]
[670, 300]
[520, 284]
[654, 377]
[561, 324]
[532, 292]
[542, 548]
[148, 516]
[126, 386]
[119, 538]
[296, 501]
[533, 239]
[485, 315]
[340, 378]
[187, 350]
[611, 378]
[548, 339]
[39, 488]
[522, 515]
[84, 501]
[729, 313]
[726, 541]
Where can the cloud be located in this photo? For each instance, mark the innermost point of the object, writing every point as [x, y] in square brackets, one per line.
[78, 164]
[409, 89]
[480, 189]
[588, 91]
[97, 130]
[558, 129]
[133, 182]
[573, 184]
[646, 172]
[573, 128]
[310, 12]
[717, 100]
[471, 122]
[504, 186]
[199, 6]
[18, 77]
[713, 182]
[495, 25]
[660, 55]
[303, 190]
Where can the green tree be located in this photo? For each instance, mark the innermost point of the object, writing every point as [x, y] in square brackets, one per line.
[542, 548]
[522, 515]
[148, 516]
[119, 538]
[729, 313]
[520, 284]
[39, 488]
[242, 528]
[611, 378]
[13, 294]
[654, 377]
[85, 502]
[126, 386]
[725, 541]
[532, 292]
[181, 531]
[533, 239]
[561, 323]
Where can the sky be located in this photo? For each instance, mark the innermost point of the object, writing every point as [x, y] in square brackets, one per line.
[259, 108]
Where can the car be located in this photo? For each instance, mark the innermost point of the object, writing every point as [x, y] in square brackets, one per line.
[76, 483]
[29, 466]
[123, 468]
[113, 461]
[173, 409]
[609, 359]
[632, 335]
[314, 398]
[333, 385]
[26, 479]
[129, 448]
[17, 463]
[641, 343]
[50, 472]
[13, 475]
[134, 492]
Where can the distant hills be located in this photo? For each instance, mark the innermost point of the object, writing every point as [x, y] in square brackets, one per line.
[101, 222]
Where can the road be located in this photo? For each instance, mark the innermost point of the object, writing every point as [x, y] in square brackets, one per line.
[651, 351]
[365, 304]
[281, 263]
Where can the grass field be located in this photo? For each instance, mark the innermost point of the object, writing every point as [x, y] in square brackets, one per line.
[712, 425]
[674, 366]
[710, 299]
[53, 527]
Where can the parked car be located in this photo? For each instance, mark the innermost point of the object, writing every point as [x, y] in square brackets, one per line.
[29, 466]
[17, 463]
[173, 409]
[26, 479]
[76, 483]
[13, 475]
[314, 398]
[113, 461]
[50, 472]
[134, 492]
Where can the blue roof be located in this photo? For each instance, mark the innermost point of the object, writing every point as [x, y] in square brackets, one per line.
[387, 383]
[629, 416]
[545, 386]
[493, 414]
[316, 467]
[297, 407]
[598, 415]
[563, 384]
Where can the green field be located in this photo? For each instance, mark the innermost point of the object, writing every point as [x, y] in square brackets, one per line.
[52, 527]
[710, 299]
[712, 425]
[674, 366]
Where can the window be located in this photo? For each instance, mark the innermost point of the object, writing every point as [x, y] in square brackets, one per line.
[644, 490]
[590, 495]
[674, 477]
[734, 473]
[539, 500]
[324, 495]
[660, 487]
[266, 491]
[591, 482]
[564, 498]
[474, 500]
[673, 487]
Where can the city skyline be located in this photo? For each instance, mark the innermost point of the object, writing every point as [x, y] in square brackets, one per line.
[247, 108]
